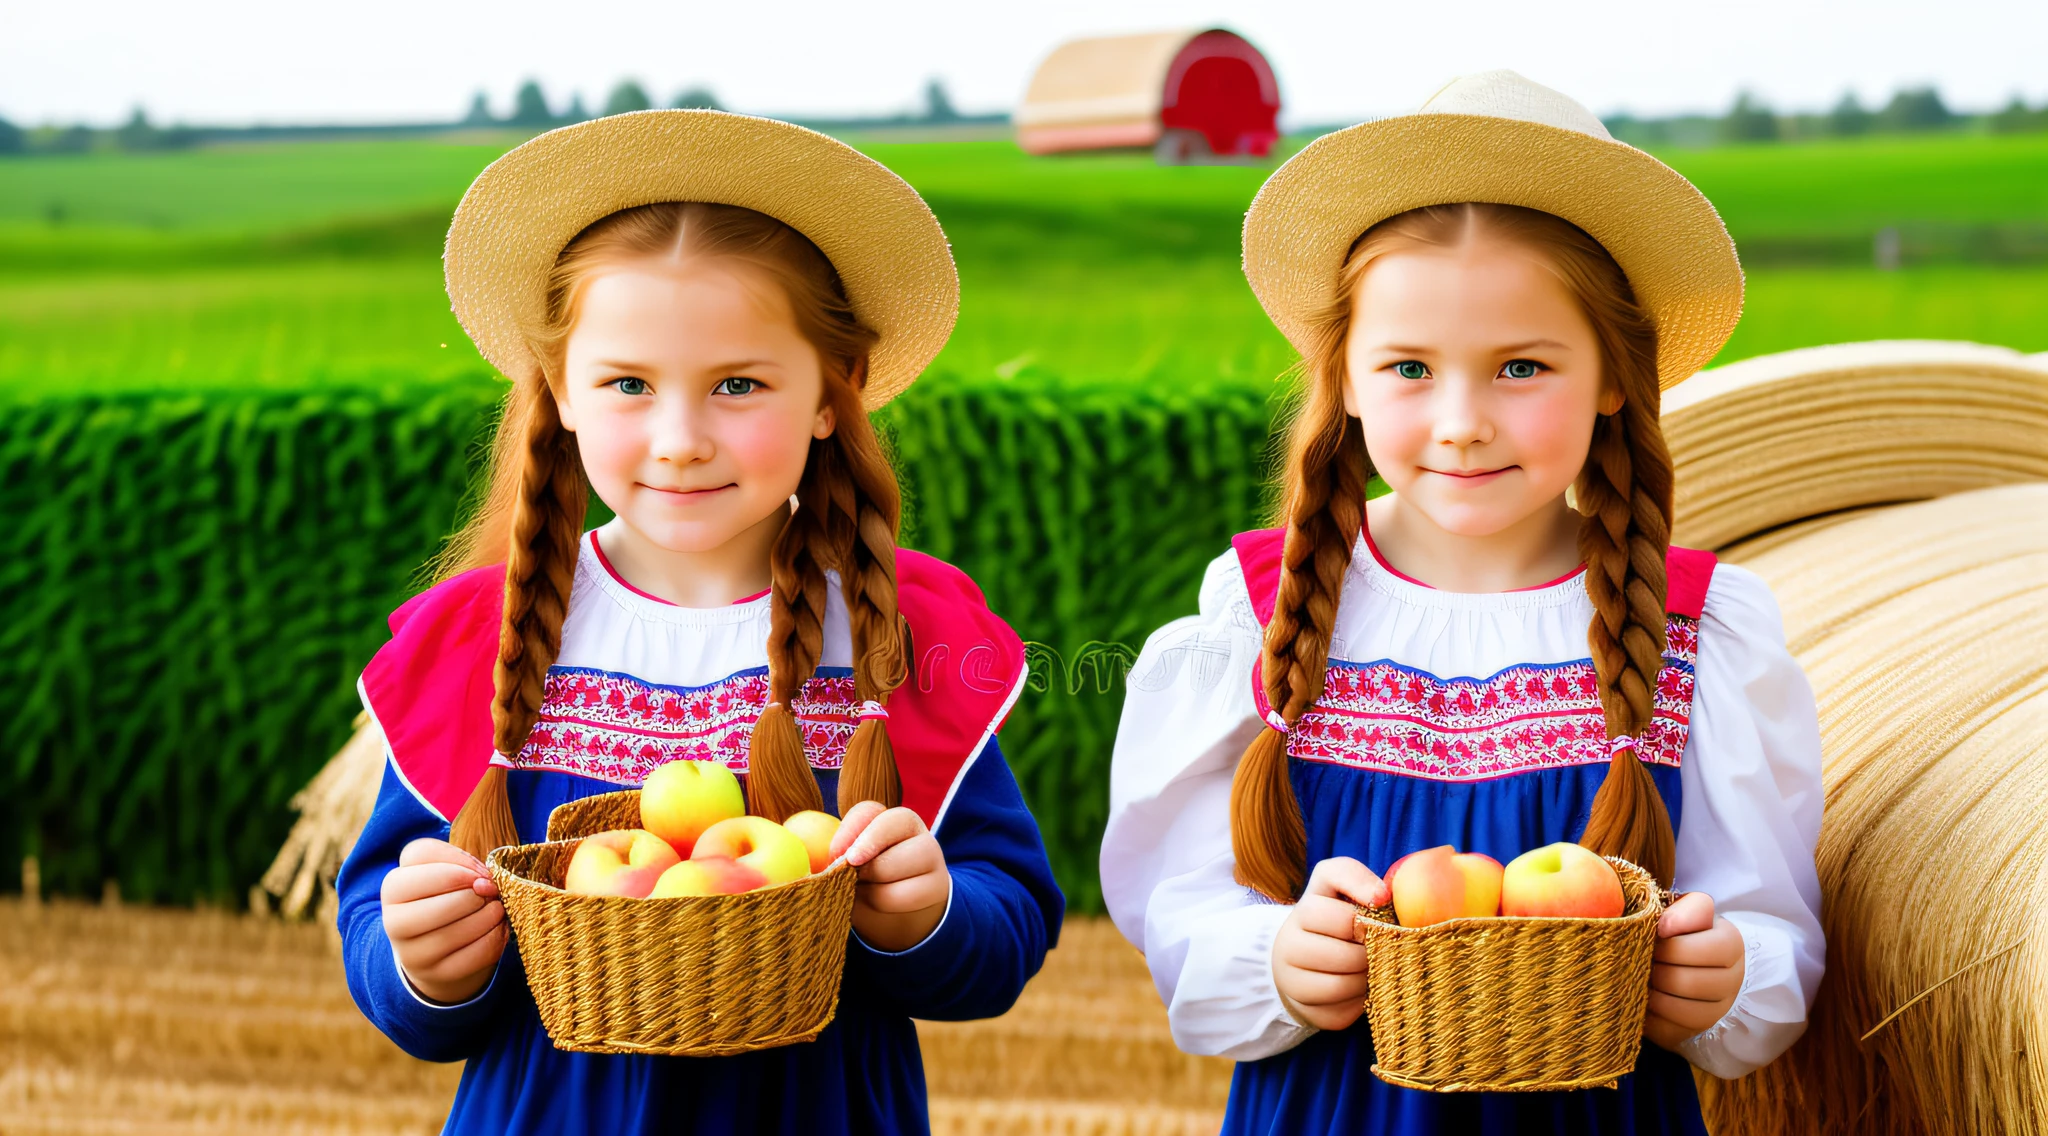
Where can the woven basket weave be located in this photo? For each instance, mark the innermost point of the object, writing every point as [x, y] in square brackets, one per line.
[1511, 1004]
[695, 976]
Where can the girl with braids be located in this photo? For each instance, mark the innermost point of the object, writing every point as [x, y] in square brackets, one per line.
[1502, 652]
[697, 311]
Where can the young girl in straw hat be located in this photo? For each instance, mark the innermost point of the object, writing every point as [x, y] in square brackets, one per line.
[1489, 296]
[697, 311]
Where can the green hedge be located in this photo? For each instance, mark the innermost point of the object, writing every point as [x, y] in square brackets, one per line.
[195, 581]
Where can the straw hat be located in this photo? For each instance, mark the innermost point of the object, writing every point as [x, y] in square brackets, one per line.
[519, 213]
[1497, 137]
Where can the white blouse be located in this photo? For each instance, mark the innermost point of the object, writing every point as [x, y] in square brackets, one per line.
[1750, 778]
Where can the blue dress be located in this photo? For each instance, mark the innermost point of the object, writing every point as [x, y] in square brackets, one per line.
[639, 683]
[1444, 719]
[862, 1075]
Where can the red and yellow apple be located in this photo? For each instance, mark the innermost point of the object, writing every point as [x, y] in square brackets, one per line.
[816, 830]
[757, 843]
[1561, 879]
[708, 875]
[1442, 883]
[683, 798]
[624, 861]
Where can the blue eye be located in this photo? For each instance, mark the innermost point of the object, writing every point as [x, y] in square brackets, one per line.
[631, 385]
[1521, 369]
[736, 386]
[1410, 369]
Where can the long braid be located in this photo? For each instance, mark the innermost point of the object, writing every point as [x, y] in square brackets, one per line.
[1626, 494]
[1325, 512]
[870, 506]
[779, 779]
[540, 564]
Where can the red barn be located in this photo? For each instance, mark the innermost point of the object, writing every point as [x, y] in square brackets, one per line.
[1191, 96]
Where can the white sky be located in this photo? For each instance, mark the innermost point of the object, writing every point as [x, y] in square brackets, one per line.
[235, 61]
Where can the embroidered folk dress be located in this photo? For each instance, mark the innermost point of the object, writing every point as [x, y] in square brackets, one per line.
[640, 682]
[1474, 720]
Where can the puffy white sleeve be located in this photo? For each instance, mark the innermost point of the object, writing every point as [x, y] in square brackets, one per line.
[1750, 818]
[1167, 867]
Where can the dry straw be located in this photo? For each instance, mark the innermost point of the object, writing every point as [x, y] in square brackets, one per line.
[1511, 1004]
[1924, 630]
[696, 976]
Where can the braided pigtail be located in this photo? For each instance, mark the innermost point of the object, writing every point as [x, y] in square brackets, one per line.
[779, 779]
[1625, 493]
[867, 505]
[546, 524]
[1324, 507]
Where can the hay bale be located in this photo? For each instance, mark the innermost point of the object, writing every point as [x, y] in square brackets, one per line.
[1924, 628]
[1783, 438]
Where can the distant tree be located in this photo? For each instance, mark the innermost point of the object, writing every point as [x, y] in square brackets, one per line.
[136, 133]
[2015, 118]
[1849, 117]
[696, 98]
[627, 96]
[938, 105]
[530, 106]
[1749, 121]
[1915, 108]
[74, 139]
[479, 112]
[576, 113]
[12, 138]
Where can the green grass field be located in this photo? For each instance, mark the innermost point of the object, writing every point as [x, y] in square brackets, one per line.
[317, 263]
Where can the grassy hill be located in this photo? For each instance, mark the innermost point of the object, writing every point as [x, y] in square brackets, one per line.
[317, 263]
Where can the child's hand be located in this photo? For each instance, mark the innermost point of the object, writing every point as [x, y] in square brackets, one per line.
[1318, 966]
[903, 885]
[444, 920]
[1698, 972]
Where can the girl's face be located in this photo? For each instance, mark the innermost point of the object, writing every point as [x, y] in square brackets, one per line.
[694, 399]
[1477, 380]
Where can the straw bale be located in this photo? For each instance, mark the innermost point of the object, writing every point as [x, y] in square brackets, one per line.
[1924, 629]
[1783, 438]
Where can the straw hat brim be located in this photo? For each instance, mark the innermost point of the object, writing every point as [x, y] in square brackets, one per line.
[1662, 231]
[878, 233]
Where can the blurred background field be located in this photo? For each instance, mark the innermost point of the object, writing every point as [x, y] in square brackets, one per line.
[302, 264]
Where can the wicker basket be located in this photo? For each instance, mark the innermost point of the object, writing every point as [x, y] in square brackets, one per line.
[696, 976]
[1511, 1004]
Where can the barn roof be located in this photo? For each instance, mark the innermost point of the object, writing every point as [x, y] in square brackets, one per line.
[1108, 79]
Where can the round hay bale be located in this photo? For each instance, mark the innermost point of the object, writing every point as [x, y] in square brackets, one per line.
[1782, 438]
[1924, 629]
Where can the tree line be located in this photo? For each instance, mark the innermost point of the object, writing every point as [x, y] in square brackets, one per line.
[1750, 119]
[531, 110]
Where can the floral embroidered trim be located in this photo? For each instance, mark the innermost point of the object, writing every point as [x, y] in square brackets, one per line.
[618, 728]
[1386, 717]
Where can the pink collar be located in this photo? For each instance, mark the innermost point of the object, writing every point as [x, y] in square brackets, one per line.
[1400, 575]
[597, 546]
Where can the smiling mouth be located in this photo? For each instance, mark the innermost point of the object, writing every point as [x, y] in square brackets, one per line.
[1473, 475]
[690, 494]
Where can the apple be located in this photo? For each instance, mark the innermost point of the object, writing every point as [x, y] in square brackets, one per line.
[625, 861]
[1561, 879]
[758, 843]
[816, 830]
[708, 875]
[1442, 883]
[683, 798]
